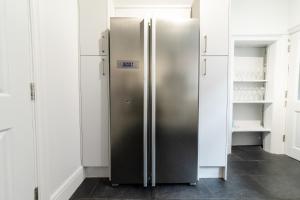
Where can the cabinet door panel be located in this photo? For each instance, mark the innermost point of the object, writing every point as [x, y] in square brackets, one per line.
[94, 110]
[214, 25]
[213, 111]
[93, 25]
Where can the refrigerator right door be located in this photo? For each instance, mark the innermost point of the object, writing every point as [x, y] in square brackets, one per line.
[175, 83]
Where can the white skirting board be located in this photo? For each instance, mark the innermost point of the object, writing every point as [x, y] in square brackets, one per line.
[203, 172]
[100, 172]
[65, 191]
[211, 172]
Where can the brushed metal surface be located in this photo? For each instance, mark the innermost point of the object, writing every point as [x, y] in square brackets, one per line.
[176, 100]
[146, 99]
[127, 100]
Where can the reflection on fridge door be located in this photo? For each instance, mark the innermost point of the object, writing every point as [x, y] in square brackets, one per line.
[154, 108]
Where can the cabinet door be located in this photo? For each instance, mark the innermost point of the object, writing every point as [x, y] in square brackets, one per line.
[93, 25]
[214, 25]
[213, 110]
[94, 110]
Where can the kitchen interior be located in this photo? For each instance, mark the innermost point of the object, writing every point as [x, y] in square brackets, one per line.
[242, 85]
[150, 99]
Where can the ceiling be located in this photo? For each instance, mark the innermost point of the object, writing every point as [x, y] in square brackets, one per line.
[151, 2]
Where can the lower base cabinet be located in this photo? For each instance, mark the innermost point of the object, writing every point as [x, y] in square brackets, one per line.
[94, 79]
[213, 111]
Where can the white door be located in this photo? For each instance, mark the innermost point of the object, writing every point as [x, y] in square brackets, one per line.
[17, 158]
[213, 110]
[293, 108]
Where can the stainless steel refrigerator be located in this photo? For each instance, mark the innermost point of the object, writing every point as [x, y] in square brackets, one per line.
[154, 89]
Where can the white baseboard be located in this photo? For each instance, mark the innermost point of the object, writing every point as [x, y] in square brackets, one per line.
[99, 172]
[211, 172]
[65, 191]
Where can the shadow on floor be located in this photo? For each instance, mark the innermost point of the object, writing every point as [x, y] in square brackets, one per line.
[253, 174]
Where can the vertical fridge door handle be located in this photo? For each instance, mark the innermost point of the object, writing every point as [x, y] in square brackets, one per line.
[205, 43]
[204, 66]
[153, 102]
[145, 126]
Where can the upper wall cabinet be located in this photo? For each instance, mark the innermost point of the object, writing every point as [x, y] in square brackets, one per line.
[214, 25]
[93, 26]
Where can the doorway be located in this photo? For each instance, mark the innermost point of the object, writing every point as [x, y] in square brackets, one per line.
[258, 86]
[17, 139]
[293, 102]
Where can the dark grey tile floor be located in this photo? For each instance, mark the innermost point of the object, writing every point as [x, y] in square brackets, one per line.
[252, 175]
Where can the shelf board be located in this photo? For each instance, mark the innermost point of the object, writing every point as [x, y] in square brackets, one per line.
[250, 81]
[251, 129]
[252, 102]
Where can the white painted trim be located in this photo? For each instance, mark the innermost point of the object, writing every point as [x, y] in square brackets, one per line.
[154, 6]
[230, 92]
[235, 38]
[269, 37]
[229, 95]
[41, 138]
[294, 29]
[211, 172]
[99, 172]
[110, 13]
[65, 191]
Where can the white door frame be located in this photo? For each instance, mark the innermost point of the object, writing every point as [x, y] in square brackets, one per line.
[293, 101]
[42, 163]
[233, 39]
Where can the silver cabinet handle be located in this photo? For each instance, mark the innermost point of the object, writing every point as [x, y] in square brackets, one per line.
[103, 66]
[205, 43]
[102, 43]
[205, 63]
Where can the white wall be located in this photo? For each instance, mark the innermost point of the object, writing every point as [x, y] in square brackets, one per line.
[55, 29]
[151, 2]
[260, 17]
[153, 11]
[294, 15]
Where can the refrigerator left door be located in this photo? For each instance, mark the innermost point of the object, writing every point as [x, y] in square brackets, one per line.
[128, 92]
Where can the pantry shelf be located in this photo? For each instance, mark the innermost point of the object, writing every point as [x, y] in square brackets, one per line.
[252, 102]
[250, 81]
[251, 129]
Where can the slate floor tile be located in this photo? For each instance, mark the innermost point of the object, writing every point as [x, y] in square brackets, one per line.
[180, 191]
[105, 190]
[283, 187]
[253, 174]
[86, 188]
[222, 189]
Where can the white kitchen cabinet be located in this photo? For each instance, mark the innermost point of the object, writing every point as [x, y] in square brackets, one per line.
[93, 27]
[213, 111]
[95, 110]
[214, 27]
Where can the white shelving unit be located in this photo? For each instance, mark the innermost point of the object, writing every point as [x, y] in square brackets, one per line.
[258, 85]
[253, 102]
[251, 129]
[252, 99]
[250, 81]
